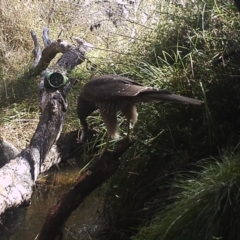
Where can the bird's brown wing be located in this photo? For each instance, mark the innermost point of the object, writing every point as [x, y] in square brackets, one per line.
[110, 87]
[114, 87]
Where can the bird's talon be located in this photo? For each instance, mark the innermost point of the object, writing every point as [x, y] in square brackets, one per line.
[112, 93]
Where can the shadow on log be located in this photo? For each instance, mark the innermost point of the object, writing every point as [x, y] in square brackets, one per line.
[100, 170]
[68, 146]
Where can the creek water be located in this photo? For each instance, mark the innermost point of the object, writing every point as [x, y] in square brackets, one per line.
[25, 223]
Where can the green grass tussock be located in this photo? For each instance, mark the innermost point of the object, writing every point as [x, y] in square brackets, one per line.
[206, 207]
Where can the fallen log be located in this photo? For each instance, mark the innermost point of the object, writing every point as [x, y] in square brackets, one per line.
[98, 172]
[18, 176]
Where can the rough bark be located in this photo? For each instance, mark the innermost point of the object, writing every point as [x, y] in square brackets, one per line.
[7, 152]
[99, 171]
[65, 148]
[18, 176]
[72, 54]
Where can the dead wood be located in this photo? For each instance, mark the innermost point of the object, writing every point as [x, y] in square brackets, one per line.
[99, 171]
[7, 152]
[18, 176]
[72, 54]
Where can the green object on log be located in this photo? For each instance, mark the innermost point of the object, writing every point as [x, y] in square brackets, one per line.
[54, 80]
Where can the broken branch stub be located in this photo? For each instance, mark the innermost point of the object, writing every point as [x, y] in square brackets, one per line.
[72, 54]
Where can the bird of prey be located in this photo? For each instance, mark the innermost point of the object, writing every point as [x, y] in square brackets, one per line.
[113, 93]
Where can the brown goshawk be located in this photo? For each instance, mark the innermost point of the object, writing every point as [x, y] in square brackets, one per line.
[111, 94]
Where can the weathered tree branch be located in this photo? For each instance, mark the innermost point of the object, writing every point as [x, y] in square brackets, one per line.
[18, 176]
[65, 148]
[7, 152]
[72, 54]
[100, 170]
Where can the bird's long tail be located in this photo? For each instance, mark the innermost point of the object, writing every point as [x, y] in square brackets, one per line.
[167, 96]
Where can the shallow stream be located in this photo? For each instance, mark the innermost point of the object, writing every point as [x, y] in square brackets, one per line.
[25, 223]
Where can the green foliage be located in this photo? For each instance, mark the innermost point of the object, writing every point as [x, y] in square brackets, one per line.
[183, 57]
[206, 207]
